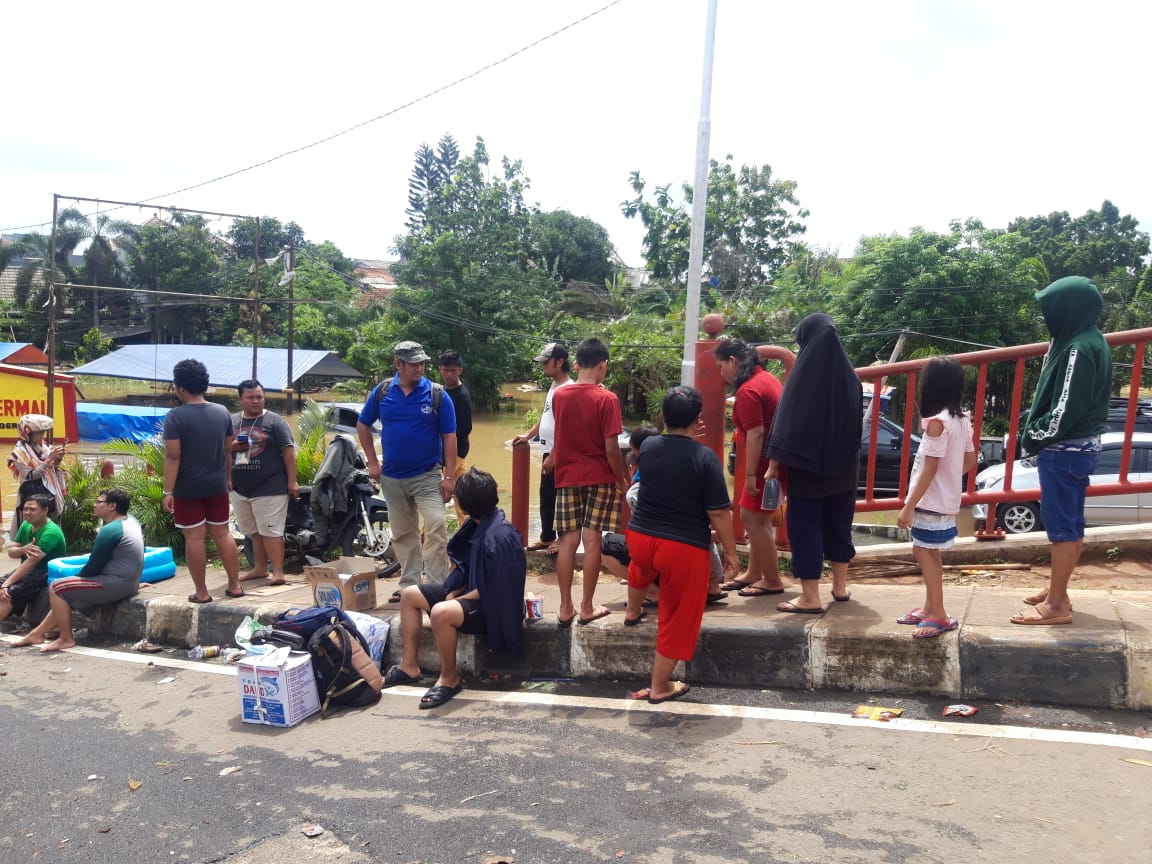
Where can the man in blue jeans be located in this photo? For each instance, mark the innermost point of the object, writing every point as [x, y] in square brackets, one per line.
[418, 474]
[1069, 412]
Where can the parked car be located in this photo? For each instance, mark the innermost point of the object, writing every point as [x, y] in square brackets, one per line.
[889, 442]
[1018, 517]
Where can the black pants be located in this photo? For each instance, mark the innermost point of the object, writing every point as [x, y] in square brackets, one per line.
[548, 506]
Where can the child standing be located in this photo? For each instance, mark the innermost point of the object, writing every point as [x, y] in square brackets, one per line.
[946, 453]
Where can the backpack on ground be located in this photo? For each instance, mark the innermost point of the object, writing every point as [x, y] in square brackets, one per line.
[345, 673]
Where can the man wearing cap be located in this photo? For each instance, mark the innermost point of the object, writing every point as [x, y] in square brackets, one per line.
[418, 474]
[554, 358]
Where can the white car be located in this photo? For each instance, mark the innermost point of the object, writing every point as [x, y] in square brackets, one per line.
[1018, 517]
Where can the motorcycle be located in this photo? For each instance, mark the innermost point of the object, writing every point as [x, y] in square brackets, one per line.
[340, 510]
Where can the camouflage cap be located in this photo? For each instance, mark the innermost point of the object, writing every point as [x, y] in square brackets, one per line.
[410, 352]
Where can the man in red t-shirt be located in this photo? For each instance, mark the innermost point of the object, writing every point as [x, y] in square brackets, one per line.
[590, 478]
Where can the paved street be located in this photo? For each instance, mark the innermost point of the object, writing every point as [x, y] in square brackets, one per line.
[547, 774]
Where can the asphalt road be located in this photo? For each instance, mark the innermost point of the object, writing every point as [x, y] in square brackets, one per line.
[549, 772]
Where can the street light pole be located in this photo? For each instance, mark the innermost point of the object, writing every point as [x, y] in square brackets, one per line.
[699, 206]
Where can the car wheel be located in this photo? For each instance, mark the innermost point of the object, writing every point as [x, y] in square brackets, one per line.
[1020, 517]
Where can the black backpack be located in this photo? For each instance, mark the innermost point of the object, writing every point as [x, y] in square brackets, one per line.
[437, 395]
[345, 673]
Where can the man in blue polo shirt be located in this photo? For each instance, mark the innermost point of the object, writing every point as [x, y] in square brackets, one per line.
[418, 477]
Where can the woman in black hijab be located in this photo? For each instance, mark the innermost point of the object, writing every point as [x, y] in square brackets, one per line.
[816, 433]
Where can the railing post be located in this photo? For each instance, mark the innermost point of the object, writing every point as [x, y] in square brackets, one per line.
[521, 469]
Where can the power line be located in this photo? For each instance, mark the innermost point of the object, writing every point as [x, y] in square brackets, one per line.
[364, 123]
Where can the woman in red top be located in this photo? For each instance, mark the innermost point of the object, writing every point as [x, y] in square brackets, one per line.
[757, 395]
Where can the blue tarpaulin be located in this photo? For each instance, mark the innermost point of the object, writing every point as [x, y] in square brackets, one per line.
[227, 366]
[99, 422]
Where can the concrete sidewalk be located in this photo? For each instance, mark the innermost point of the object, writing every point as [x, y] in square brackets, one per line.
[1103, 659]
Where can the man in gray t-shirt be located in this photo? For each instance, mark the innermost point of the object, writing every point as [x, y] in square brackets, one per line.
[263, 476]
[197, 476]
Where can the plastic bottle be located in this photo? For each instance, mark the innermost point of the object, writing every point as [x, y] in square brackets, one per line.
[203, 652]
[771, 498]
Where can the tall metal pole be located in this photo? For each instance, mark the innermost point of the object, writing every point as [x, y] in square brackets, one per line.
[699, 206]
[256, 301]
[291, 321]
[51, 343]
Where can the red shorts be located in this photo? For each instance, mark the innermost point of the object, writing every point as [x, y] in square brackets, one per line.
[683, 572]
[194, 512]
[751, 501]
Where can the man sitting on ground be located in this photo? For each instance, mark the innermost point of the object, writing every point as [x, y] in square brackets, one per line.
[484, 592]
[111, 573]
[38, 541]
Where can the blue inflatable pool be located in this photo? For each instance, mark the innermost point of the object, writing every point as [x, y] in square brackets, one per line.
[158, 565]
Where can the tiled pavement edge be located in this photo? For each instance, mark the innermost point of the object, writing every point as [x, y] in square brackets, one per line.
[1104, 659]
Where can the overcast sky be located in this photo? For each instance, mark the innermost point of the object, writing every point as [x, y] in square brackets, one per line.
[888, 114]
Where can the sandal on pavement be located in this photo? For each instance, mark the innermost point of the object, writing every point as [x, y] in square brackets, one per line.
[735, 585]
[930, 628]
[789, 606]
[679, 688]
[1038, 598]
[716, 598]
[538, 546]
[600, 612]
[228, 592]
[1044, 617]
[395, 598]
[192, 598]
[914, 617]
[842, 598]
[395, 675]
[757, 591]
[438, 695]
[632, 622]
[648, 603]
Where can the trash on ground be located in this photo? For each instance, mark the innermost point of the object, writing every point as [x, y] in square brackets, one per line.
[313, 830]
[92, 777]
[1143, 762]
[147, 647]
[104, 829]
[134, 784]
[231, 769]
[167, 680]
[876, 712]
[960, 710]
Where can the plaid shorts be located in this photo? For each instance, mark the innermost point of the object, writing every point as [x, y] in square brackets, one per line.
[595, 507]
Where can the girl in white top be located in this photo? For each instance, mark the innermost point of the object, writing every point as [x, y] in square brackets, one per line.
[946, 453]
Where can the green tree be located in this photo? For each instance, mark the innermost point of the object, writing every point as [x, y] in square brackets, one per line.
[573, 248]
[1093, 245]
[273, 237]
[92, 345]
[751, 225]
[433, 169]
[105, 264]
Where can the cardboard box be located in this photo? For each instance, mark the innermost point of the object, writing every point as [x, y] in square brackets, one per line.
[277, 689]
[374, 631]
[346, 583]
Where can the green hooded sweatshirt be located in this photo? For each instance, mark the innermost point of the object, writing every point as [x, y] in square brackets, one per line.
[1072, 395]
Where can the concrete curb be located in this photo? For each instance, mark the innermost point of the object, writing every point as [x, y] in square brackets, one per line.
[1103, 660]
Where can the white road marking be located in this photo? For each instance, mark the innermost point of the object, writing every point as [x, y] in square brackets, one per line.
[695, 709]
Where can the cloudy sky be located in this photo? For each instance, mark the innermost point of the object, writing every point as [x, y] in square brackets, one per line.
[888, 115]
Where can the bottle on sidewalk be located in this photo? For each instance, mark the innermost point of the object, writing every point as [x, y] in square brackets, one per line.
[203, 652]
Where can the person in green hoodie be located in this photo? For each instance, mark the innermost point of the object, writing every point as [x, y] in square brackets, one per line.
[1069, 412]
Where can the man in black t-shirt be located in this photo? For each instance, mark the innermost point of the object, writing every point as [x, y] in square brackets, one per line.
[450, 368]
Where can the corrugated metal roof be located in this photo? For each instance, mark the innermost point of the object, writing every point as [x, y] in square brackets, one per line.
[227, 365]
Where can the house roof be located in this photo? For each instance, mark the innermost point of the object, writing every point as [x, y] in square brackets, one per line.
[227, 365]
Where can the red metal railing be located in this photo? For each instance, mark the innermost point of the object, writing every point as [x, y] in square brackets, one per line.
[1018, 356]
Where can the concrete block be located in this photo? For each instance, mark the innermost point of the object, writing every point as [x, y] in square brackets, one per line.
[216, 623]
[171, 621]
[774, 654]
[606, 649]
[544, 652]
[1083, 663]
[124, 620]
[1135, 612]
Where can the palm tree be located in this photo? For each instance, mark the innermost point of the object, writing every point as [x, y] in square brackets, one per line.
[112, 239]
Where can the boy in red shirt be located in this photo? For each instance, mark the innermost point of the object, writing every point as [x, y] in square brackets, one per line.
[590, 478]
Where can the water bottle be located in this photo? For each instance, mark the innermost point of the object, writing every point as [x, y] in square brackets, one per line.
[203, 652]
[771, 497]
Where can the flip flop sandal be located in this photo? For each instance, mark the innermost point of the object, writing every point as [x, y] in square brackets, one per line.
[595, 616]
[677, 692]
[648, 604]
[395, 675]
[632, 622]
[565, 622]
[789, 606]
[754, 591]
[192, 598]
[930, 628]
[914, 617]
[735, 585]
[233, 594]
[538, 546]
[842, 598]
[395, 598]
[716, 598]
[1046, 619]
[438, 695]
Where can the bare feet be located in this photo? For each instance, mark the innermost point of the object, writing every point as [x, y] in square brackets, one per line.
[1040, 597]
[32, 638]
[57, 645]
[277, 580]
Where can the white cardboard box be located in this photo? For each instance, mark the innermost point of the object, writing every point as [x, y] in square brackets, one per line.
[277, 689]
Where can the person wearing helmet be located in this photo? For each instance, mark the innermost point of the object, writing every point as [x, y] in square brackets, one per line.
[35, 465]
